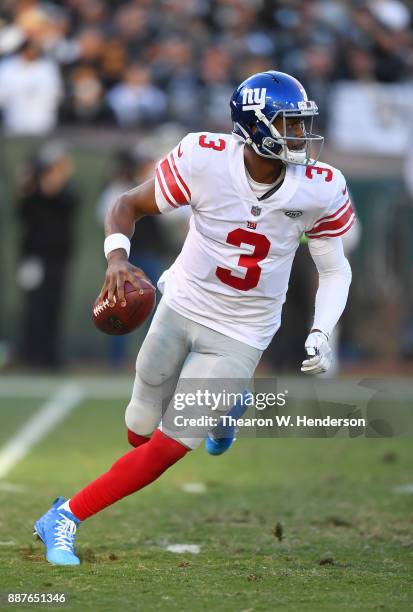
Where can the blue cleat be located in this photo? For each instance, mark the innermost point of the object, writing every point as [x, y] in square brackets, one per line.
[218, 446]
[221, 438]
[57, 529]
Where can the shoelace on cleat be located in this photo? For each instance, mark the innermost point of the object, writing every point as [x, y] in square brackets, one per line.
[65, 530]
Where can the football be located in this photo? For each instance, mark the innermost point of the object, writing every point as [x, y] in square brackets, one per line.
[119, 320]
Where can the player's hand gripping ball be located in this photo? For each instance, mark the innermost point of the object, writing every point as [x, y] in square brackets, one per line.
[118, 320]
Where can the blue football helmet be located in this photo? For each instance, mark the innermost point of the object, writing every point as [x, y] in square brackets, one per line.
[263, 97]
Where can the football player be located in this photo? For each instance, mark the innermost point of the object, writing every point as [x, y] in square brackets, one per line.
[253, 193]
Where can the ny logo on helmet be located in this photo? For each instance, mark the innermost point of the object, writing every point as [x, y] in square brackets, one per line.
[253, 98]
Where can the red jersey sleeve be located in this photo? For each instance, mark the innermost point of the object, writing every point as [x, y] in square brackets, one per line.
[173, 178]
[339, 215]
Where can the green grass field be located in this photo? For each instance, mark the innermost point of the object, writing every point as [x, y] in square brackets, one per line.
[295, 524]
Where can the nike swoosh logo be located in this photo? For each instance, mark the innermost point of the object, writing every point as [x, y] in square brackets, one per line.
[344, 190]
[180, 152]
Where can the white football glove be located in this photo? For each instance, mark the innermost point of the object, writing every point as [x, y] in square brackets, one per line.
[319, 354]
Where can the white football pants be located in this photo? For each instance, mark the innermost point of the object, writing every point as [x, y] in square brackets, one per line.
[179, 358]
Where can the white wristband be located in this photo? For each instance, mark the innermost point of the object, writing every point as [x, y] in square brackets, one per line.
[116, 241]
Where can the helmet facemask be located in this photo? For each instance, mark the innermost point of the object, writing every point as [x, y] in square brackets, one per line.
[268, 142]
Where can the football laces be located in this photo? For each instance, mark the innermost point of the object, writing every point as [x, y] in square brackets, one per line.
[102, 306]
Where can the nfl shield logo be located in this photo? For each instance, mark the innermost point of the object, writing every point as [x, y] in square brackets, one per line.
[256, 211]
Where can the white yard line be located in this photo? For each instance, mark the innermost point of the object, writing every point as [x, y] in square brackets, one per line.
[39, 387]
[195, 549]
[407, 488]
[194, 487]
[119, 387]
[66, 398]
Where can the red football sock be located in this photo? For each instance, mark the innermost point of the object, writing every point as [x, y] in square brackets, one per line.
[135, 439]
[138, 468]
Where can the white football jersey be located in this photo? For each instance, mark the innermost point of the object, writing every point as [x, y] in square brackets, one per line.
[232, 273]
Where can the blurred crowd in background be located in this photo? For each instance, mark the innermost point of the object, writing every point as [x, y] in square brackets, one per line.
[107, 74]
[136, 62]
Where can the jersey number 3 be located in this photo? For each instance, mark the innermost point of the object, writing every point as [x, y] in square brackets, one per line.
[261, 246]
[216, 145]
[309, 172]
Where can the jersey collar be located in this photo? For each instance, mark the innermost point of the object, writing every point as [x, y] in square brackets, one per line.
[239, 177]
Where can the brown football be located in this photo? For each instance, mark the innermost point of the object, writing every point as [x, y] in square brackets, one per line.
[120, 320]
